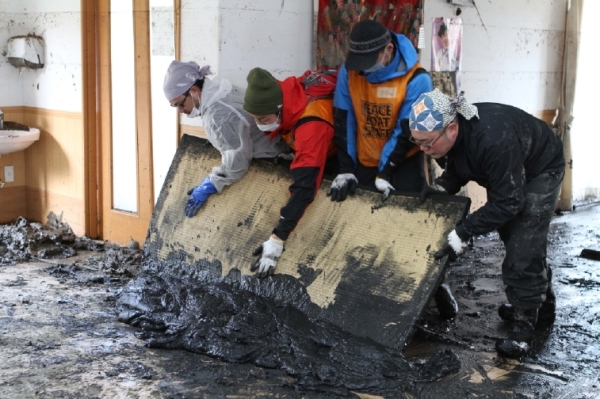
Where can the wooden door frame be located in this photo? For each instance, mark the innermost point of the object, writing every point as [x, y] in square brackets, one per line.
[101, 221]
[91, 137]
[116, 225]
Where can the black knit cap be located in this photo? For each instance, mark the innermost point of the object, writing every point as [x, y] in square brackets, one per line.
[367, 39]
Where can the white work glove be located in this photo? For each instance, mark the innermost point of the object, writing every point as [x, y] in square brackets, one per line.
[269, 252]
[288, 156]
[343, 184]
[453, 248]
[384, 186]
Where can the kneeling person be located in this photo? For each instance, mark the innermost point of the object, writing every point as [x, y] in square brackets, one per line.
[286, 109]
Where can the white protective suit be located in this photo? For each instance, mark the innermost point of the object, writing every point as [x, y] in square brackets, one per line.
[233, 132]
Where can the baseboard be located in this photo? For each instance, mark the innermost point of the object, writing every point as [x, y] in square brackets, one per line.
[14, 203]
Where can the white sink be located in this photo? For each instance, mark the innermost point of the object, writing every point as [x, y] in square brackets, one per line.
[17, 140]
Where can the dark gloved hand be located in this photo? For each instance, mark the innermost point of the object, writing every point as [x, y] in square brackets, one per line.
[269, 252]
[428, 191]
[198, 196]
[343, 184]
[384, 186]
[453, 248]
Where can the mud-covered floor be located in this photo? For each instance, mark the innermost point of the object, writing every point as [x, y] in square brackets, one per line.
[59, 336]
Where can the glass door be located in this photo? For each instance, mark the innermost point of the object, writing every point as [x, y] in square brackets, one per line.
[132, 54]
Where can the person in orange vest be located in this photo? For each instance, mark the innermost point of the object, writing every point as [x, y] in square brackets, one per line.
[289, 109]
[376, 87]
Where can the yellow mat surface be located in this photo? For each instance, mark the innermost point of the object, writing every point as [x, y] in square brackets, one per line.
[367, 265]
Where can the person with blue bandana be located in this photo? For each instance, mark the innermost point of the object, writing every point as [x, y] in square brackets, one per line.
[376, 86]
[519, 160]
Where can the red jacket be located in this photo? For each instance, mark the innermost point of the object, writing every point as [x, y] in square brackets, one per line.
[307, 126]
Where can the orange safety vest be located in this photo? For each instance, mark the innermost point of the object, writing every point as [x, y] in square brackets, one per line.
[321, 108]
[376, 108]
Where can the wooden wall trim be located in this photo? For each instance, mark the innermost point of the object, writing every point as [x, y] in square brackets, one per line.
[91, 129]
[52, 112]
[547, 115]
[18, 108]
[43, 111]
[192, 130]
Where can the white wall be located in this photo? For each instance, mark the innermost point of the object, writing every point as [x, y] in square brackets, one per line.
[512, 50]
[584, 134]
[234, 36]
[57, 86]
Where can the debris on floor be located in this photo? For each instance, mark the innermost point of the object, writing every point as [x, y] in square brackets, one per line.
[25, 241]
[61, 338]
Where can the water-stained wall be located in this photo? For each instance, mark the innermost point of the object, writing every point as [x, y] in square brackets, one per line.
[512, 50]
[49, 174]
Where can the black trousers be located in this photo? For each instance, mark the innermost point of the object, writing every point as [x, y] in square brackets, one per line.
[409, 176]
[525, 271]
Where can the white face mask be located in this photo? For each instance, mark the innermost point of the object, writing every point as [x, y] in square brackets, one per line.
[270, 127]
[195, 112]
[374, 68]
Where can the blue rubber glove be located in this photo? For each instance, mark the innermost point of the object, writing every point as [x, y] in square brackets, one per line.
[198, 196]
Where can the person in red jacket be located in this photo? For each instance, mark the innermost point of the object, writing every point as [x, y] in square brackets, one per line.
[287, 109]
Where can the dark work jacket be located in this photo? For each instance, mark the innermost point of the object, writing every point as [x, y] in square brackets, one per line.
[501, 151]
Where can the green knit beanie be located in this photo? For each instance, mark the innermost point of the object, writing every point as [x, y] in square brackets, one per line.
[263, 95]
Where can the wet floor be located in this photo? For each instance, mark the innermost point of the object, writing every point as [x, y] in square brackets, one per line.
[59, 336]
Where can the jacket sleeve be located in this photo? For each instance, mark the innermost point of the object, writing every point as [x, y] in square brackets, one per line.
[399, 153]
[312, 139]
[397, 146]
[344, 124]
[505, 172]
[229, 132]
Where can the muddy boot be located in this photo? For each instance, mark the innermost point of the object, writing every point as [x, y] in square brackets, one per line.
[445, 302]
[546, 314]
[522, 326]
[511, 349]
[520, 335]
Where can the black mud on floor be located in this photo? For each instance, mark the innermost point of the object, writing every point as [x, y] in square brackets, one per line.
[565, 358]
[564, 361]
[245, 319]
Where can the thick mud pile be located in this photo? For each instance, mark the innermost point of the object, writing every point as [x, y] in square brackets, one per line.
[245, 319]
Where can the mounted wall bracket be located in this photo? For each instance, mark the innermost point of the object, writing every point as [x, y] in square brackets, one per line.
[25, 51]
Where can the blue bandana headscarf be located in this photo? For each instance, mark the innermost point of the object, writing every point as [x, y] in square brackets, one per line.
[435, 110]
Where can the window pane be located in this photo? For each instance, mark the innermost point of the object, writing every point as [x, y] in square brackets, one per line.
[124, 140]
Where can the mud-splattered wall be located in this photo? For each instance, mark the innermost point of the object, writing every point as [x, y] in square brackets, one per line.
[512, 50]
[234, 36]
[512, 53]
[57, 86]
[49, 174]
